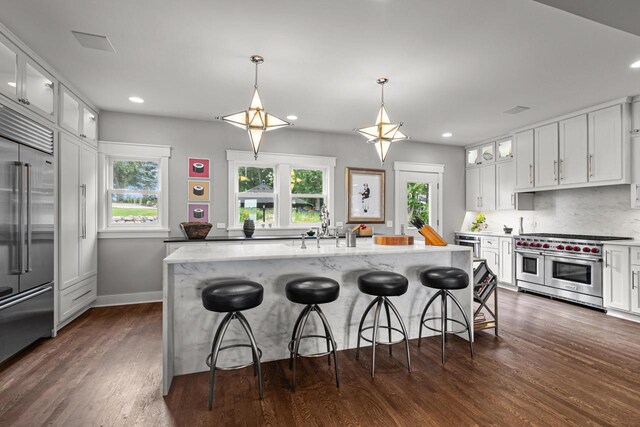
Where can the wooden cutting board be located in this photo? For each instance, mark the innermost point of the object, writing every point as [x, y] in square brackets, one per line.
[393, 240]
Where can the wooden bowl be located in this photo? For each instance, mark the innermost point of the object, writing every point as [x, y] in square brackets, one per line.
[196, 230]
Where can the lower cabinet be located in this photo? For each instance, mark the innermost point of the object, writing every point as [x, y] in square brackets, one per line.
[505, 270]
[621, 278]
[77, 297]
[493, 259]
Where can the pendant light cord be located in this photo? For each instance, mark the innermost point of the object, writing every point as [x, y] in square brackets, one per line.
[255, 85]
[382, 93]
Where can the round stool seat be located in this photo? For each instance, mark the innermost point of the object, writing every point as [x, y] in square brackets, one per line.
[232, 295]
[444, 278]
[383, 283]
[312, 290]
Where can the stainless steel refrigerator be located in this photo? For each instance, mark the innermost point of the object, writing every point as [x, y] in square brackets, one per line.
[26, 232]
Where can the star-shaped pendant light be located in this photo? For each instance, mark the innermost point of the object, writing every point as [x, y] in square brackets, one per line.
[383, 133]
[255, 120]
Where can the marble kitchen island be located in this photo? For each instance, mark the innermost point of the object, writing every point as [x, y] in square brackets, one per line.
[188, 328]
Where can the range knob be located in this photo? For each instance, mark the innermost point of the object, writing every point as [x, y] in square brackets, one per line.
[518, 243]
[525, 244]
[539, 245]
[586, 250]
[559, 247]
[595, 250]
[576, 248]
[545, 246]
[568, 248]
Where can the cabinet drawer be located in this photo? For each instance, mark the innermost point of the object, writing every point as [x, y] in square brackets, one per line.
[77, 297]
[635, 256]
[489, 242]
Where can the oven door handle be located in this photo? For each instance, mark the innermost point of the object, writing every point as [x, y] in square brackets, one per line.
[528, 252]
[578, 258]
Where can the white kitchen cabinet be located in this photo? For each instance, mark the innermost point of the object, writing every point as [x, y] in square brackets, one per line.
[523, 152]
[24, 81]
[482, 154]
[493, 258]
[635, 117]
[606, 145]
[573, 150]
[504, 149]
[77, 117]
[616, 278]
[481, 188]
[505, 186]
[78, 218]
[505, 261]
[546, 155]
[635, 289]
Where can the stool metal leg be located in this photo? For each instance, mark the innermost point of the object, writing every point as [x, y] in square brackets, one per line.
[297, 347]
[215, 348]
[376, 322]
[333, 343]
[295, 331]
[424, 313]
[254, 347]
[386, 309]
[326, 334]
[364, 316]
[466, 320]
[404, 331]
[443, 321]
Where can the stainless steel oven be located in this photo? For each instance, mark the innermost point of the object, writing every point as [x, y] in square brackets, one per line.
[581, 274]
[530, 266]
[471, 241]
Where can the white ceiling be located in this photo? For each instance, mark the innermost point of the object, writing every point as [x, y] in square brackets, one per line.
[453, 65]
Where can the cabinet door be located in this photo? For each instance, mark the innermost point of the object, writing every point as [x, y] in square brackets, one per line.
[473, 189]
[546, 156]
[493, 259]
[38, 89]
[88, 213]
[487, 153]
[617, 292]
[506, 261]
[635, 290]
[523, 152]
[70, 112]
[488, 188]
[89, 122]
[472, 156]
[574, 145]
[504, 150]
[8, 69]
[505, 186]
[605, 144]
[69, 159]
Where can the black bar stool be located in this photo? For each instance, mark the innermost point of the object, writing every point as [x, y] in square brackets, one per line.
[232, 297]
[382, 284]
[445, 279]
[312, 291]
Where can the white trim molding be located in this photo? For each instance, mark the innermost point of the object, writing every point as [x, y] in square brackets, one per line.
[127, 299]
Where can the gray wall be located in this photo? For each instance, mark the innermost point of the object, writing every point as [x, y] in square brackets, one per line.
[135, 265]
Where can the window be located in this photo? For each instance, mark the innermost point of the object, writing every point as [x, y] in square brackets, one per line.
[134, 186]
[279, 191]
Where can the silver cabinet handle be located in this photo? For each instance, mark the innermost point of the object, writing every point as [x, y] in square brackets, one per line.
[83, 193]
[633, 279]
[606, 259]
[637, 196]
[562, 169]
[513, 200]
[530, 174]
[480, 201]
[590, 165]
[29, 215]
[78, 297]
[555, 167]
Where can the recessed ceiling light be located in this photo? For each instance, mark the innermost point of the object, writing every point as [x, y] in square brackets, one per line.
[635, 65]
[447, 135]
[12, 84]
[292, 117]
[136, 99]
[516, 110]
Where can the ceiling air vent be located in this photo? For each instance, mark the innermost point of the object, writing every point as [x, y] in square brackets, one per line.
[517, 109]
[94, 41]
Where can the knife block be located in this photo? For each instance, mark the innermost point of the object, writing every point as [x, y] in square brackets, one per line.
[431, 237]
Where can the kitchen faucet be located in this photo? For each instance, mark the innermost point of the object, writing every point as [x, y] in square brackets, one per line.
[324, 214]
[303, 246]
[521, 229]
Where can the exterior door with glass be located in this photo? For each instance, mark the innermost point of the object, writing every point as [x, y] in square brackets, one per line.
[417, 196]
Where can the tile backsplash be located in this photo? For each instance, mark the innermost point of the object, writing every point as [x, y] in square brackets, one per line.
[598, 210]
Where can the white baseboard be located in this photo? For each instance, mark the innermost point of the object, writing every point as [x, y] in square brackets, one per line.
[623, 315]
[126, 299]
[507, 287]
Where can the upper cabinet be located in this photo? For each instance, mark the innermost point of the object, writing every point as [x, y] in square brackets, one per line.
[481, 188]
[523, 152]
[77, 117]
[504, 149]
[606, 145]
[24, 81]
[573, 150]
[482, 154]
[546, 155]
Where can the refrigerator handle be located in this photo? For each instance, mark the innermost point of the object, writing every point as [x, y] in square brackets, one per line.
[19, 215]
[83, 187]
[29, 216]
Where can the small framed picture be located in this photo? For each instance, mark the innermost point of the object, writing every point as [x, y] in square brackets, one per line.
[198, 168]
[365, 196]
[198, 191]
[198, 212]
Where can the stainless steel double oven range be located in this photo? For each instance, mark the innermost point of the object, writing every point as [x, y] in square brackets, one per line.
[564, 266]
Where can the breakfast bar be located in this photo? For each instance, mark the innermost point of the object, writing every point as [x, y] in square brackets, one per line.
[187, 326]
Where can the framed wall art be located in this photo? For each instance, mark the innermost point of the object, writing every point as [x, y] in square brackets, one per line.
[198, 191]
[365, 196]
[198, 212]
[198, 168]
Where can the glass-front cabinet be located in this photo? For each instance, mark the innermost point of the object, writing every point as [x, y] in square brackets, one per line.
[481, 154]
[472, 156]
[24, 81]
[504, 149]
[77, 117]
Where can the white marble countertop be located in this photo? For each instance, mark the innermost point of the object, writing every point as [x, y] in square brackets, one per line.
[633, 242]
[196, 254]
[486, 233]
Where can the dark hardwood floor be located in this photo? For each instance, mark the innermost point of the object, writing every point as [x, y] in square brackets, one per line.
[554, 364]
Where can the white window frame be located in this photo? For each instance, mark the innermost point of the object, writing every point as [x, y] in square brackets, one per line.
[282, 165]
[109, 152]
